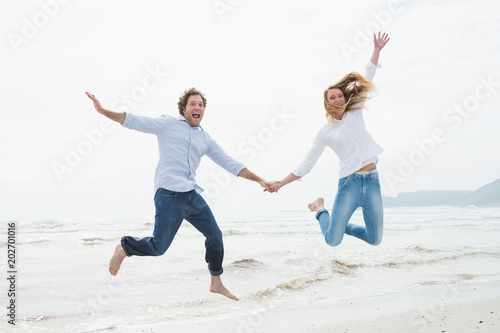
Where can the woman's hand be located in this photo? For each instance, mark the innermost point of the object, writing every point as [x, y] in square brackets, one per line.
[380, 41]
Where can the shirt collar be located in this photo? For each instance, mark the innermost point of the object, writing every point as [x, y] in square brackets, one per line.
[199, 128]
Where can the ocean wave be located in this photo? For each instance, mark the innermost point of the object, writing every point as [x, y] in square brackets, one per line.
[271, 231]
[94, 240]
[321, 274]
[332, 269]
[416, 255]
[247, 263]
[34, 242]
[342, 268]
[441, 215]
[48, 227]
[352, 264]
[46, 224]
[466, 277]
[459, 277]
[29, 242]
[233, 232]
[39, 318]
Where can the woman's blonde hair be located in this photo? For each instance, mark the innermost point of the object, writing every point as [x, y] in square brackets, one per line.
[356, 90]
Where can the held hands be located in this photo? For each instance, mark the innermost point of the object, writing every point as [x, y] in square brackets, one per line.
[272, 186]
[380, 41]
[267, 185]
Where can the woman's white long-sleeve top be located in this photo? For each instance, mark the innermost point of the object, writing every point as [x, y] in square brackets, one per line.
[348, 138]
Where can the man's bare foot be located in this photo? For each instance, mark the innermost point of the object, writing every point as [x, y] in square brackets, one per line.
[116, 260]
[316, 205]
[217, 287]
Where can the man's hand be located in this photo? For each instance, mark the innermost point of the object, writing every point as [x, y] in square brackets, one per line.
[119, 117]
[265, 185]
[268, 186]
[97, 105]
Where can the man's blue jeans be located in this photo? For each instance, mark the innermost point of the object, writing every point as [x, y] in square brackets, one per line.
[171, 209]
[354, 191]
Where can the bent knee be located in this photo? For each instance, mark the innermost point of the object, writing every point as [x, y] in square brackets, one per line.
[214, 242]
[159, 249]
[376, 240]
[333, 241]
[159, 252]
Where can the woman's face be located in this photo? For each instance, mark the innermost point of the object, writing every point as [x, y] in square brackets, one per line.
[336, 97]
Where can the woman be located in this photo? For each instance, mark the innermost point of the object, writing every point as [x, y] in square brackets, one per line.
[346, 134]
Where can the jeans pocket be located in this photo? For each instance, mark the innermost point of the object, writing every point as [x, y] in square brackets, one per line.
[342, 182]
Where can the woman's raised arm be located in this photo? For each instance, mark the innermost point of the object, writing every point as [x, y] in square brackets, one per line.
[378, 44]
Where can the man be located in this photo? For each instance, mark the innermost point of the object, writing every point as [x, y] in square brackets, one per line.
[182, 142]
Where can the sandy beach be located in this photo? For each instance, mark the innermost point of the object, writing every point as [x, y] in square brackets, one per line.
[473, 316]
[450, 309]
[437, 315]
[287, 278]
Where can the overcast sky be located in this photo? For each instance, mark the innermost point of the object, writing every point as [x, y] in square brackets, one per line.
[263, 66]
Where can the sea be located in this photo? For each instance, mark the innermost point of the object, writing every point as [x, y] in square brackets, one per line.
[273, 260]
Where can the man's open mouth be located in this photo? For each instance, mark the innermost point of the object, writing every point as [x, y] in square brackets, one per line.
[196, 115]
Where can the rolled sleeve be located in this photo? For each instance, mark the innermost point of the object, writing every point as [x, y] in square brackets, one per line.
[144, 124]
[370, 70]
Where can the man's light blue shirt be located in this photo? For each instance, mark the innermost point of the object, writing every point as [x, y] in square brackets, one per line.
[181, 148]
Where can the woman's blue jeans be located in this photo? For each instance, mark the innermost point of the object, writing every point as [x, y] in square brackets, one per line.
[354, 191]
[171, 209]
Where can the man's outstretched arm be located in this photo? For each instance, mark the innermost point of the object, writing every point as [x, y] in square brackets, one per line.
[247, 174]
[119, 117]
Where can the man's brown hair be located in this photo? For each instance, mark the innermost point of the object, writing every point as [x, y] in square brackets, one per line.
[184, 99]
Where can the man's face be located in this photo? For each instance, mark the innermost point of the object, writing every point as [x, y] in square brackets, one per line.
[194, 110]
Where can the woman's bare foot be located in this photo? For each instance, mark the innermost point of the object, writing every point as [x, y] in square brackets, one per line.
[116, 260]
[316, 205]
[217, 287]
